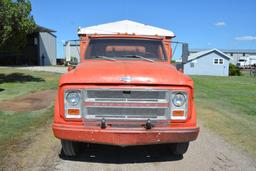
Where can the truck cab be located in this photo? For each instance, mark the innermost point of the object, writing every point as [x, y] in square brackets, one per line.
[125, 92]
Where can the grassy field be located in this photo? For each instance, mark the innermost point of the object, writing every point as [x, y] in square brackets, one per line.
[13, 83]
[227, 105]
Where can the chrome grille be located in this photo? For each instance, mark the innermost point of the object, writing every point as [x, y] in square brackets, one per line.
[126, 94]
[126, 113]
[126, 104]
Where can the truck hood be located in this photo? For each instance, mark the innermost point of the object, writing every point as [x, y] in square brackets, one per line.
[125, 72]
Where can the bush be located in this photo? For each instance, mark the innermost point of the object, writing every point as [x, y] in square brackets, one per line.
[234, 70]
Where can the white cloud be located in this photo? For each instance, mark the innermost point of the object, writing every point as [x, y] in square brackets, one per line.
[220, 24]
[246, 38]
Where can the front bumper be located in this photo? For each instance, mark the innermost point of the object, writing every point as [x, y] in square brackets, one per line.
[125, 137]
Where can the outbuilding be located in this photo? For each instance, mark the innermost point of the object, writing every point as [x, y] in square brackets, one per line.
[210, 62]
[39, 50]
[47, 51]
[72, 51]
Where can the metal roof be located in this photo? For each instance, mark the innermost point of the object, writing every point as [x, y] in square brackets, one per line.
[72, 43]
[44, 29]
[228, 50]
[202, 53]
[126, 27]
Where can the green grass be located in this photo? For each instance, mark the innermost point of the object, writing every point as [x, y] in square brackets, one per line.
[227, 105]
[13, 83]
[14, 125]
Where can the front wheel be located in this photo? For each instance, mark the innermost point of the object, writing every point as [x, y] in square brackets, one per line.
[179, 148]
[70, 148]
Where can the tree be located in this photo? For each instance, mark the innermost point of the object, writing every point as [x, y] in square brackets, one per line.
[15, 23]
[234, 70]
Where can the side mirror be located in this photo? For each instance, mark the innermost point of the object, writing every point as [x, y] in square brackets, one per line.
[72, 64]
[71, 68]
[185, 53]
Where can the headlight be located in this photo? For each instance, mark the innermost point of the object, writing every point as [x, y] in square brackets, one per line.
[73, 98]
[179, 99]
[179, 108]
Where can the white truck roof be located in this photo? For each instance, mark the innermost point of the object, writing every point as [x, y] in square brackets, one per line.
[125, 27]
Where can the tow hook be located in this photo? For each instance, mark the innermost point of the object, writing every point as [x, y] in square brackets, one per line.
[103, 124]
[148, 124]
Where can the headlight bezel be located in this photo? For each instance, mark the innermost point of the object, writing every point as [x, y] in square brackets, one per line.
[183, 107]
[73, 106]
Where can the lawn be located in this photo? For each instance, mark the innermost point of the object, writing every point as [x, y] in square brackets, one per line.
[227, 105]
[14, 83]
[17, 82]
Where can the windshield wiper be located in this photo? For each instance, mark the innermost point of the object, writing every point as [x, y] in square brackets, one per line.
[138, 56]
[105, 57]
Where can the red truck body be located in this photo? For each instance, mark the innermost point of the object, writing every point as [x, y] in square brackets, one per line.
[107, 85]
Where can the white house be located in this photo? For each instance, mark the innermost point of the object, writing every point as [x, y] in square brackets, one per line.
[235, 54]
[210, 62]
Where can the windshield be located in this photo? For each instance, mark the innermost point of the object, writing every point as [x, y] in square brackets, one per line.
[128, 49]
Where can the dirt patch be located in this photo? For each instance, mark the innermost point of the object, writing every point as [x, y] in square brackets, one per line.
[39, 151]
[30, 102]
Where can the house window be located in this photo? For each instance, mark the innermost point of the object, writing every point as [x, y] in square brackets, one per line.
[192, 65]
[231, 54]
[243, 54]
[218, 61]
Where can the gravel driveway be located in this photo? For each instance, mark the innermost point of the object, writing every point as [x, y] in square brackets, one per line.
[56, 69]
[208, 152]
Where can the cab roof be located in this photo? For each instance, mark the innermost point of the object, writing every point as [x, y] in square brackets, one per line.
[125, 27]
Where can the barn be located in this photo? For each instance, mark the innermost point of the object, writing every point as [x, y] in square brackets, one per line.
[210, 62]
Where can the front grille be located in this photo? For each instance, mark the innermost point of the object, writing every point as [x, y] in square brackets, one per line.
[126, 95]
[126, 104]
[126, 113]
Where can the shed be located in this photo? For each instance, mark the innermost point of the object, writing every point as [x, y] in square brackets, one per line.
[210, 62]
[72, 51]
[39, 50]
[46, 46]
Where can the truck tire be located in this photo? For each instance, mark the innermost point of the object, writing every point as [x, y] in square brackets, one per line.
[70, 148]
[179, 148]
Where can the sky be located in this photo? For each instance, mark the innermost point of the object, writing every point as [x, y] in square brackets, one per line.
[226, 24]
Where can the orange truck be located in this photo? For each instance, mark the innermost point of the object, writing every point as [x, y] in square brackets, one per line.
[125, 91]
